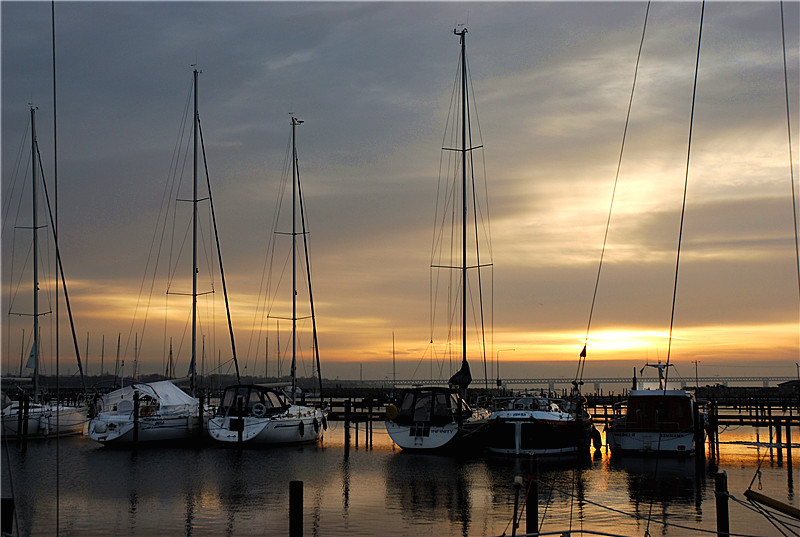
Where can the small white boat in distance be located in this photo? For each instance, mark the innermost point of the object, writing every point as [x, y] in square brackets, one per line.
[260, 414]
[165, 413]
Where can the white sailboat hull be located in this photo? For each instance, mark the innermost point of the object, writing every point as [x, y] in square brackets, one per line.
[43, 421]
[111, 429]
[412, 437]
[298, 425]
[165, 413]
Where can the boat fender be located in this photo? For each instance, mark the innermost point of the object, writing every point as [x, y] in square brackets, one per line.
[100, 427]
[324, 423]
[316, 425]
[259, 410]
[391, 412]
[302, 428]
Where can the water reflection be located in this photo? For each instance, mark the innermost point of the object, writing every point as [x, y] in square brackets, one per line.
[216, 491]
[431, 487]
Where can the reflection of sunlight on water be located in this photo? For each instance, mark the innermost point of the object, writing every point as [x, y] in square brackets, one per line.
[221, 491]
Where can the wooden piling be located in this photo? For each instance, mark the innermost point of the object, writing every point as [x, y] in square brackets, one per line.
[347, 426]
[7, 516]
[779, 440]
[721, 493]
[789, 440]
[355, 422]
[532, 498]
[295, 509]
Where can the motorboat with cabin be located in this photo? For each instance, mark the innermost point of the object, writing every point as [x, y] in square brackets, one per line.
[530, 424]
[656, 421]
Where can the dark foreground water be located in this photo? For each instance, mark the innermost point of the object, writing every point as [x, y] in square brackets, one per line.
[380, 491]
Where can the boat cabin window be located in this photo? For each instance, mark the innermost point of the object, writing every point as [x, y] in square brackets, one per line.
[429, 406]
[663, 413]
[423, 406]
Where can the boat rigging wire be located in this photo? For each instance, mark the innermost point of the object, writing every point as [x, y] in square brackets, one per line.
[680, 238]
[157, 241]
[791, 161]
[582, 357]
[219, 254]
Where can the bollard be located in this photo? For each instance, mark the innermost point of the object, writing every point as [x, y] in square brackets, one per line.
[721, 493]
[295, 509]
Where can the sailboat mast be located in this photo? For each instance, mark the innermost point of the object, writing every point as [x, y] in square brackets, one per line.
[463, 35]
[35, 257]
[194, 241]
[295, 123]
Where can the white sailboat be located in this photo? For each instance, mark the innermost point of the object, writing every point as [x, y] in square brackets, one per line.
[156, 411]
[264, 414]
[37, 418]
[437, 418]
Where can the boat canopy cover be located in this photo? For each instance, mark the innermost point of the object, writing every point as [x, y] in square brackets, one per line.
[165, 392]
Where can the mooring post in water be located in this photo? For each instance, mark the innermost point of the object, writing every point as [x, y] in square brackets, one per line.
[295, 509]
[769, 421]
[347, 426]
[721, 493]
[7, 515]
[369, 424]
[355, 421]
[136, 416]
[789, 440]
[517, 487]
[779, 440]
[532, 498]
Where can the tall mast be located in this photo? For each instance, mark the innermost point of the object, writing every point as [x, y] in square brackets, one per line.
[295, 123]
[464, 149]
[194, 242]
[34, 147]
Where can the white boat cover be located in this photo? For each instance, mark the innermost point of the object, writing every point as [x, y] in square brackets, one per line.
[169, 396]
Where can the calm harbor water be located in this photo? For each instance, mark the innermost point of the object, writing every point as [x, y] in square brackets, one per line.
[217, 490]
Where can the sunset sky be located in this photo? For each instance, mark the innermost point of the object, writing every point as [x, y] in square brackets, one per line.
[372, 81]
